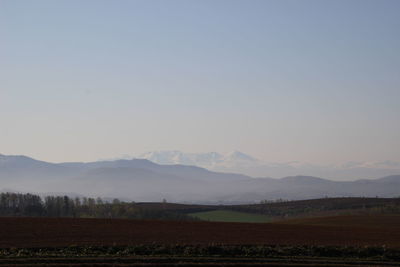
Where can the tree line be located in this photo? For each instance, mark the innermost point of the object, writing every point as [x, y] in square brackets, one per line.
[17, 204]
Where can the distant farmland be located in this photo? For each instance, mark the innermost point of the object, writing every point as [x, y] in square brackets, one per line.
[292, 209]
[230, 216]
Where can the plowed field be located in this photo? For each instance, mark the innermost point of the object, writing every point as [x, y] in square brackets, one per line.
[57, 232]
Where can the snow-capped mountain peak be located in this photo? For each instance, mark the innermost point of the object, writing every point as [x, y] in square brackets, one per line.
[178, 157]
[237, 155]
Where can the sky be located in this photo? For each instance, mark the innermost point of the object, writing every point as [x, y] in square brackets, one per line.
[310, 81]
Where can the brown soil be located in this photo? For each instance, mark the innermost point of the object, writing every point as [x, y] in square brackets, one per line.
[369, 220]
[48, 232]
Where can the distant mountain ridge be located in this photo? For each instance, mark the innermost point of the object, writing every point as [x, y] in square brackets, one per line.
[239, 162]
[143, 180]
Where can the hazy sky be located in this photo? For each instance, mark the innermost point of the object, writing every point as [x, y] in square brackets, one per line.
[314, 81]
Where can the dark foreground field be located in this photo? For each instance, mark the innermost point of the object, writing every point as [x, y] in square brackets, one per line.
[340, 230]
[332, 241]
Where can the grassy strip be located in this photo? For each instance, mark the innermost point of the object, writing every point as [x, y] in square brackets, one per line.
[215, 250]
[202, 261]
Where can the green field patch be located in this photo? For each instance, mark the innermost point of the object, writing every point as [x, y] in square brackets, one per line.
[230, 216]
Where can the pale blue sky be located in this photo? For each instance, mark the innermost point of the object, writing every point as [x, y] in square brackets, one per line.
[315, 81]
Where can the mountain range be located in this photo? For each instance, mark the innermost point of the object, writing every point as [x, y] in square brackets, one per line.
[143, 180]
[239, 162]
